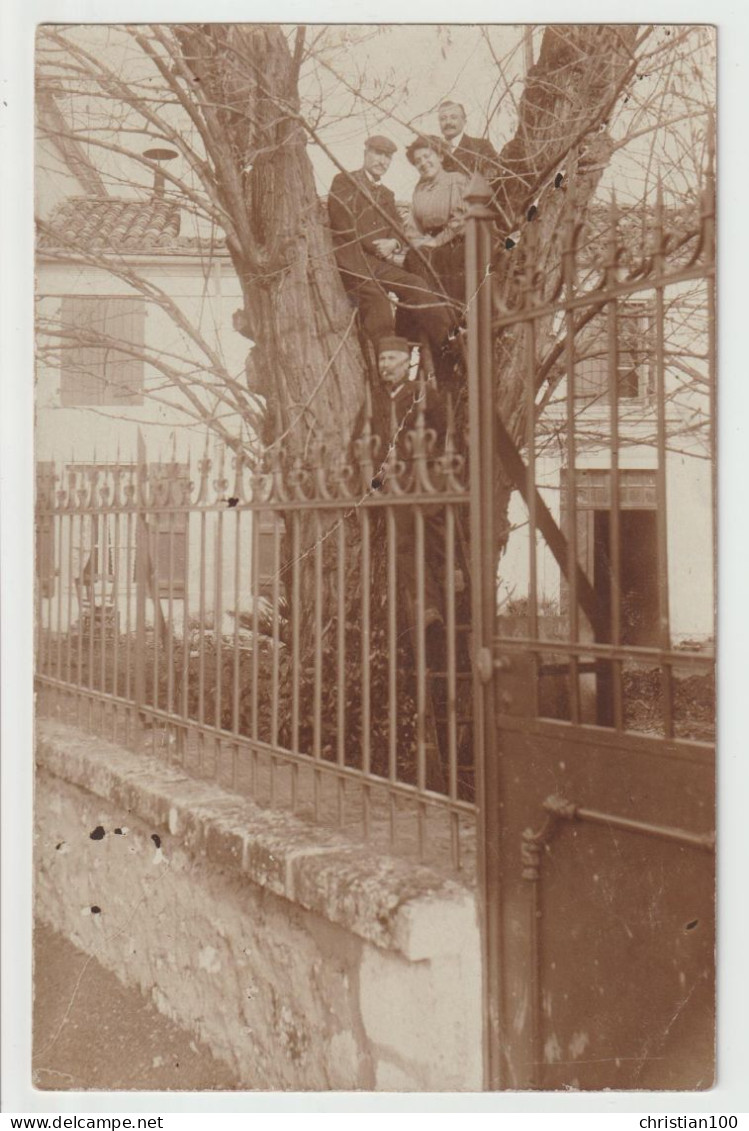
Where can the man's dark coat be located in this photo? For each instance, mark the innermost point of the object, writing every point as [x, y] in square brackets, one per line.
[362, 211]
[473, 153]
[356, 222]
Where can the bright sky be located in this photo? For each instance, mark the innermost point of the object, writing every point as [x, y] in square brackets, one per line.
[406, 70]
[390, 79]
[409, 70]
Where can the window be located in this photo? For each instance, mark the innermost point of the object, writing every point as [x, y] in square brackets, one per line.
[634, 355]
[93, 370]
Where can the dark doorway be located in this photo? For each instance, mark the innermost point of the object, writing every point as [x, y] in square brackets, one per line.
[638, 574]
[638, 580]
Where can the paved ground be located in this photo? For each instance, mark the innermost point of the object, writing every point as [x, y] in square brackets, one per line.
[90, 1033]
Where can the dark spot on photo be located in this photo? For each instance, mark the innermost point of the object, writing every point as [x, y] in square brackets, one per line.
[98, 833]
[96, 910]
[233, 501]
[156, 839]
[691, 925]
[376, 483]
[118, 832]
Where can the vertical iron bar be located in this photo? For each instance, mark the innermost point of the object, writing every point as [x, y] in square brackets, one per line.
[117, 551]
[170, 612]
[296, 598]
[421, 678]
[573, 613]
[79, 584]
[708, 231]
[255, 556]
[186, 631]
[661, 509]
[130, 568]
[318, 674]
[154, 582]
[235, 691]
[104, 575]
[141, 555]
[530, 436]
[93, 563]
[276, 632]
[534, 990]
[55, 521]
[70, 526]
[218, 623]
[38, 602]
[201, 637]
[483, 609]
[612, 319]
[365, 666]
[450, 679]
[392, 637]
[341, 650]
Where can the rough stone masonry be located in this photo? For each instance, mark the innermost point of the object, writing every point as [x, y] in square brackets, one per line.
[301, 960]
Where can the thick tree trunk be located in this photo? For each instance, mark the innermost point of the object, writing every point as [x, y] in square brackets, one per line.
[306, 361]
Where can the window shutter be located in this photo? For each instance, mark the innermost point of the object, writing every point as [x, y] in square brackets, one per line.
[93, 371]
[124, 321]
[82, 361]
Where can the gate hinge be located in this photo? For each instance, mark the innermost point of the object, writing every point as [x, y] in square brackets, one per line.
[485, 664]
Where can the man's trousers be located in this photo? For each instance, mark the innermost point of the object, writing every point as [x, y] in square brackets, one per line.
[369, 286]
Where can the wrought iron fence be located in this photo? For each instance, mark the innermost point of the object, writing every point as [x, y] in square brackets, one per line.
[297, 631]
[608, 366]
[304, 630]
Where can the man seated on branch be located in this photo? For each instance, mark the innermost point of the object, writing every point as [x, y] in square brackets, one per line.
[365, 224]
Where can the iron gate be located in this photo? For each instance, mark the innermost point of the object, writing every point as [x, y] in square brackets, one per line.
[594, 732]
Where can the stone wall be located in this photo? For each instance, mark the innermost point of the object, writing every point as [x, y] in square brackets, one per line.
[303, 961]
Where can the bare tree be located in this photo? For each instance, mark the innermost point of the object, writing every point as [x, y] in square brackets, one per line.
[227, 98]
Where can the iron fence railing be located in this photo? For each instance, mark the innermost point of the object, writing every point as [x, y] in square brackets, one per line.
[614, 462]
[297, 631]
[318, 630]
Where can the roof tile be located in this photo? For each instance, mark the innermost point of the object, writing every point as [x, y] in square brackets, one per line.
[84, 223]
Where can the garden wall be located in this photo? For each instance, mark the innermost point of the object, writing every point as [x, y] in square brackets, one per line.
[301, 960]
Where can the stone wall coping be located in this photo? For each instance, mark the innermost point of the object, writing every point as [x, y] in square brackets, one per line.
[392, 903]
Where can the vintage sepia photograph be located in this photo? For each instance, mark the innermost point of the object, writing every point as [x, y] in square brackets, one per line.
[375, 483]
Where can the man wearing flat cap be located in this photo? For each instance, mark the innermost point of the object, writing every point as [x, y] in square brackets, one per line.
[365, 222]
